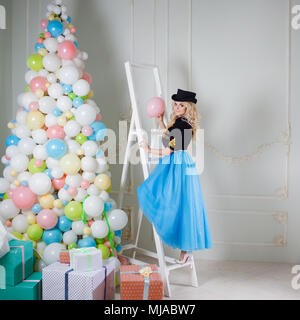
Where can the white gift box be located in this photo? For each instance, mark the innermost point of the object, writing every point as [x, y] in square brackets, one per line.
[85, 259]
[61, 282]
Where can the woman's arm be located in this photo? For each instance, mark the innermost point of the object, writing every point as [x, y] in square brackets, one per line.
[160, 120]
[163, 152]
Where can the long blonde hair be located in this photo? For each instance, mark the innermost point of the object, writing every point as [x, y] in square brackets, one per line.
[191, 114]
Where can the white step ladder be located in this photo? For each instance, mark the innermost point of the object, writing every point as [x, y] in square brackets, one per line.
[136, 131]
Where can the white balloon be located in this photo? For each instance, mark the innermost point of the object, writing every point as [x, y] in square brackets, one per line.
[40, 183]
[102, 165]
[12, 151]
[89, 164]
[6, 174]
[78, 62]
[64, 195]
[90, 148]
[81, 88]
[20, 224]
[117, 239]
[51, 253]
[72, 128]
[41, 246]
[60, 39]
[27, 98]
[39, 136]
[93, 190]
[85, 55]
[69, 74]
[51, 62]
[78, 227]
[73, 146]
[117, 219]
[40, 152]
[74, 180]
[4, 160]
[39, 265]
[24, 176]
[4, 185]
[51, 78]
[50, 120]
[47, 104]
[51, 45]
[69, 237]
[99, 229]
[89, 176]
[55, 91]
[64, 103]
[57, 173]
[22, 131]
[19, 162]
[59, 212]
[43, 73]
[52, 163]
[93, 206]
[21, 117]
[30, 75]
[85, 115]
[81, 194]
[104, 196]
[8, 210]
[26, 146]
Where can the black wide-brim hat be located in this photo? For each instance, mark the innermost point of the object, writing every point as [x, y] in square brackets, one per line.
[184, 96]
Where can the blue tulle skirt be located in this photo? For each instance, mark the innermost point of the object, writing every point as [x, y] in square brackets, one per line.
[171, 199]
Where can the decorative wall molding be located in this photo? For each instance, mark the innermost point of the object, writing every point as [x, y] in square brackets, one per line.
[277, 241]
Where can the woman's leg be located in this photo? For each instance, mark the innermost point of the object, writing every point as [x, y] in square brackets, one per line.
[182, 255]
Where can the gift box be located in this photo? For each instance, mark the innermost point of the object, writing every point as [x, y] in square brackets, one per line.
[141, 283]
[18, 262]
[85, 259]
[64, 256]
[61, 282]
[29, 289]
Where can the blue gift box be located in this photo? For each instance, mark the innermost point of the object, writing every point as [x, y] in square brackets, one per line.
[29, 289]
[18, 262]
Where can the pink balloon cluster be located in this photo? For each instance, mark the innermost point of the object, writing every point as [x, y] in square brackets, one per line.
[155, 107]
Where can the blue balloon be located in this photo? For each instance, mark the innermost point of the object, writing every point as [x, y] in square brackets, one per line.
[86, 243]
[55, 27]
[12, 141]
[96, 126]
[48, 173]
[56, 148]
[64, 224]
[69, 19]
[107, 206]
[76, 44]
[38, 46]
[56, 112]
[118, 233]
[36, 208]
[67, 88]
[52, 236]
[119, 248]
[101, 135]
[77, 102]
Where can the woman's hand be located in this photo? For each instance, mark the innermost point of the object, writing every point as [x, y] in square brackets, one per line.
[145, 146]
[160, 118]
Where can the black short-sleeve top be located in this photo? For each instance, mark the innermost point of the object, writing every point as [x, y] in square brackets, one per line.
[178, 136]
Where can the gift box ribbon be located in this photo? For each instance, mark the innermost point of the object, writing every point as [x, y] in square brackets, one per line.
[146, 272]
[23, 260]
[67, 282]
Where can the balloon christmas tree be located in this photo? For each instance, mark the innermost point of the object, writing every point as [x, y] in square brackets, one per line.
[55, 190]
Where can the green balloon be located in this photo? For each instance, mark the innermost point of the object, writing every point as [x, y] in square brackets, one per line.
[35, 62]
[35, 232]
[5, 196]
[72, 245]
[72, 95]
[33, 169]
[109, 189]
[73, 210]
[100, 241]
[112, 234]
[81, 138]
[105, 251]
[27, 89]
[17, 235]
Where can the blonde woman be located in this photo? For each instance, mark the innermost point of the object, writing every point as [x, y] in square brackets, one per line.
[171, 198]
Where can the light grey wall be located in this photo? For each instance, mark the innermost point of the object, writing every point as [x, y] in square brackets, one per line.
[238, 57]
[6, 112]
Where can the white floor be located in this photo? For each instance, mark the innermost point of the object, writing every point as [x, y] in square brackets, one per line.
[234, 280]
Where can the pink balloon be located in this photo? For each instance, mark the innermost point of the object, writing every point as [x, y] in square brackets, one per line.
[155, 107]
[23, 198]
[58, 183]
[38, 83]
[72, 191]
[86, 76]
[34, 106]
[47, 35]
[44, 23]
[84, 184]
[47, 219]
[87, 131]
[107, 243]
[9, 194]
[56, 132]
[67, 50]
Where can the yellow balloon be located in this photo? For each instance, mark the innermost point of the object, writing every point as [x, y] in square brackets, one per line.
[30, 217]
[35, 120]
[90, 95]
[58, 204]
[102, 181]
[70, 164]
[39, 93]
[47, 201]
[87, 231]
[42, 51]
[61, 121]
